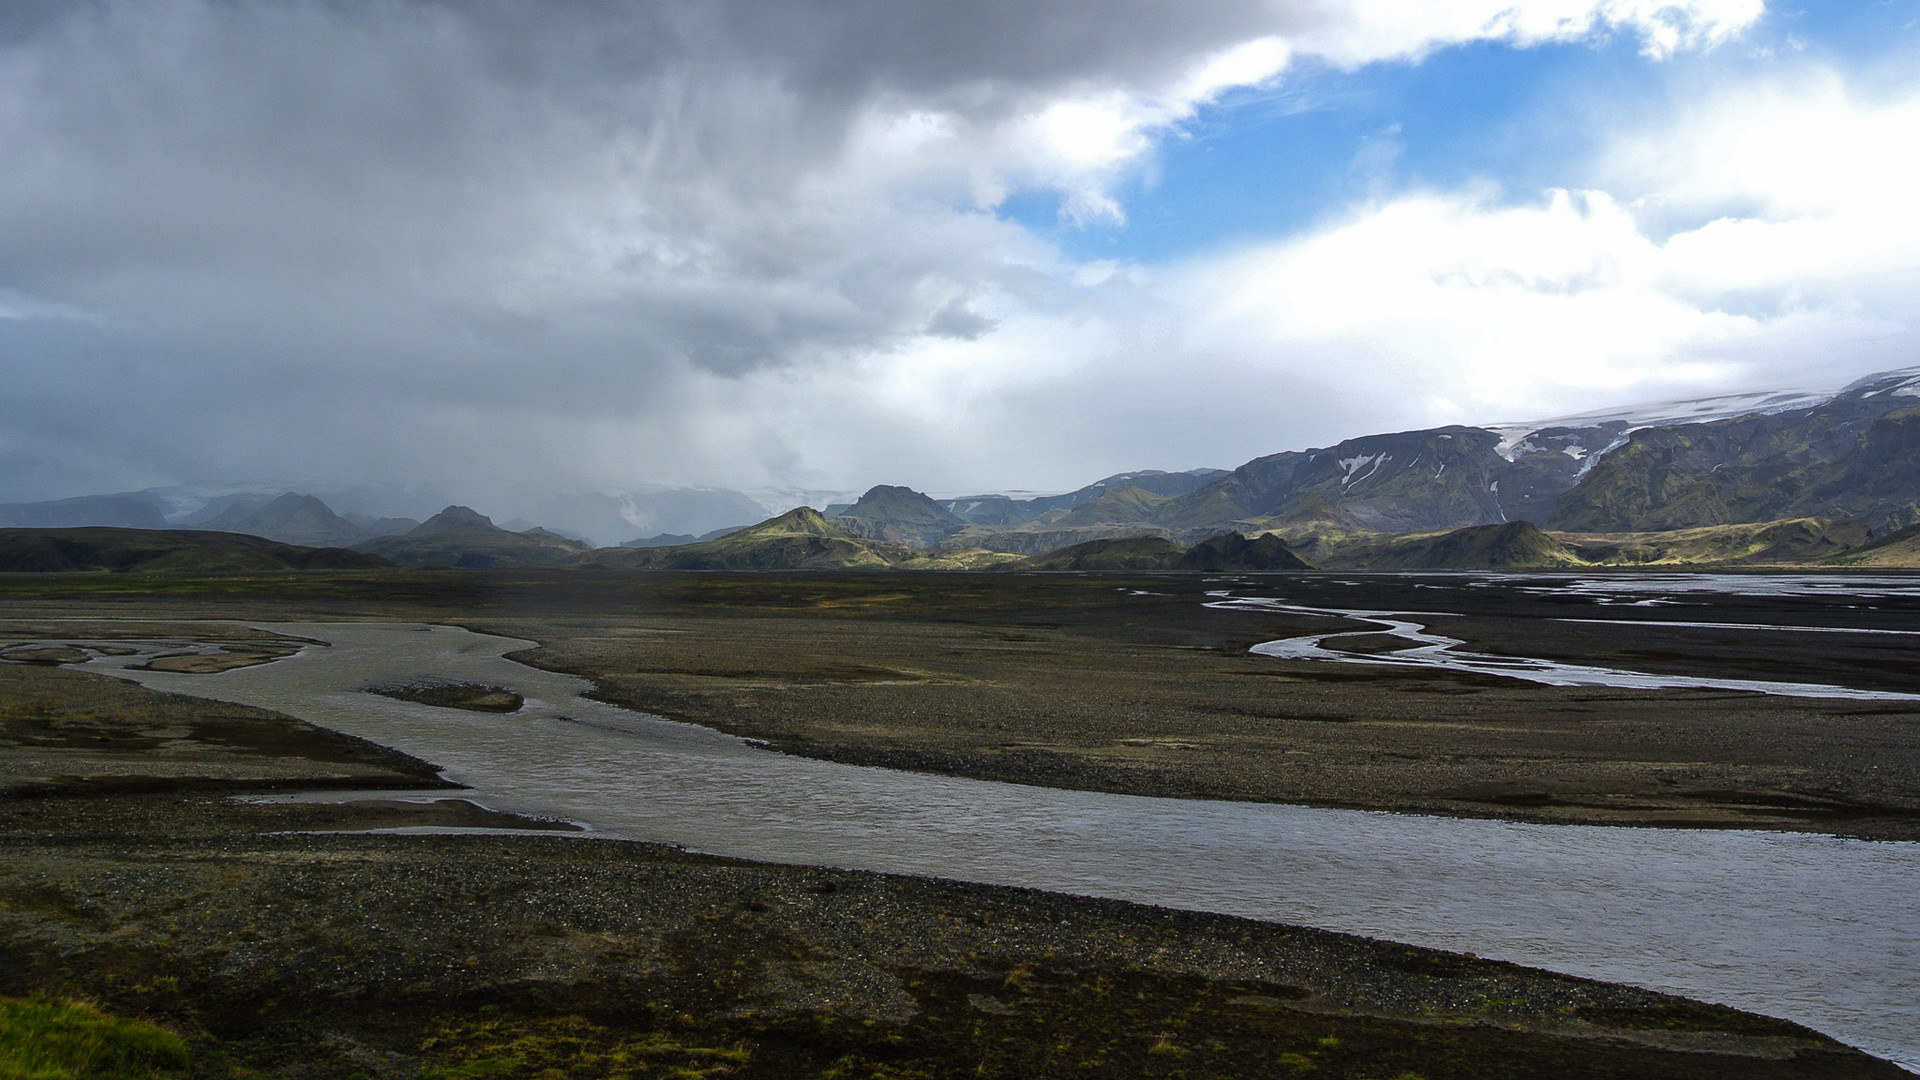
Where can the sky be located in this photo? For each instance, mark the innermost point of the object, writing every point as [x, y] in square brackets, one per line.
[498, 253]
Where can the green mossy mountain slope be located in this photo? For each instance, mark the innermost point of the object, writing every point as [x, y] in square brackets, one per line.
[1116, 507]
[1857, 457]
[800, 539]
[1130, 554]
[1514, 545]
[1900, 548]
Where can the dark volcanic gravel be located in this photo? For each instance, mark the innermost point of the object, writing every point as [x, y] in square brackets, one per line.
[315, 954]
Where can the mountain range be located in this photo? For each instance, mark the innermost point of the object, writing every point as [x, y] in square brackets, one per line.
[1851, 458]
[302, 519]
[1787, 477]
[1754, 478]
[135, 510]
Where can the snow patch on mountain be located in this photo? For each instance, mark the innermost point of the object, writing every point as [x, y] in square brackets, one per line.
[1516, 439]
[1900, 382]
[1354, 464]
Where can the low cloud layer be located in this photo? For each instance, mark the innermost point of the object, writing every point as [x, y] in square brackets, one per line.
[513, 252]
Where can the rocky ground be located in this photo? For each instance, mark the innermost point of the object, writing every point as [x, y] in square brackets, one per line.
[283, 940]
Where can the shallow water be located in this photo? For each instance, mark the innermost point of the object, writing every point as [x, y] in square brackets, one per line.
[1424, 648]
[1817, 929]
[1662, 586]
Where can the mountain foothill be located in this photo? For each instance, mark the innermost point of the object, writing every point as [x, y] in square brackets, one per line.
[1792, 480]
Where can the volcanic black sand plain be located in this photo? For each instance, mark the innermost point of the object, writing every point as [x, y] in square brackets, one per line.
[284, 940]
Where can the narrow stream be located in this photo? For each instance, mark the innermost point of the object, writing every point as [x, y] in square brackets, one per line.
[1424, 648]
[1817, 929]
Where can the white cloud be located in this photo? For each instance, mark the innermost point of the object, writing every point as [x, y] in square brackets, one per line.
[1078, 138]
[15, 304]
[1798, 146]
[1465, 310]
[1437, 307]
[1806, 190]
[1427, 309]
[1077, 141]
[1367, 31]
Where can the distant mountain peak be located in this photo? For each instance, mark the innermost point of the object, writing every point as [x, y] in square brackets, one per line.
[292, 499]
[800, 539]
[539, 533]
[899, 515]
[455, 519]
[1233, 551]
[461, 537]
[290, 518]
[893, 499]
[799, 521]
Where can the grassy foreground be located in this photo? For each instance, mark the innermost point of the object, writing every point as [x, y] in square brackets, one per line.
[74, 1040]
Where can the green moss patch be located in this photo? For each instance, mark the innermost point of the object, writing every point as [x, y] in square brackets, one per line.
[570, 1046]
[49, 1040]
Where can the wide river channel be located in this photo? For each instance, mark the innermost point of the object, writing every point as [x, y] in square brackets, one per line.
[1813, 928]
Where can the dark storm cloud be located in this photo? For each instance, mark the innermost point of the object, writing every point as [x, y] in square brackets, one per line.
[513, 249]
[344, 137]
[328, 235]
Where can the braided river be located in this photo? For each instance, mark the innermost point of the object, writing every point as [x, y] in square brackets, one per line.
[1813, 928]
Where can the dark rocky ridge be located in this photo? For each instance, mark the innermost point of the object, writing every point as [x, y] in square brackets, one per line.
[165, 551]
[136, 511]
[291, 518]
[1227, 553]
[898, 515]
[460, 537]
[1005, 511]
